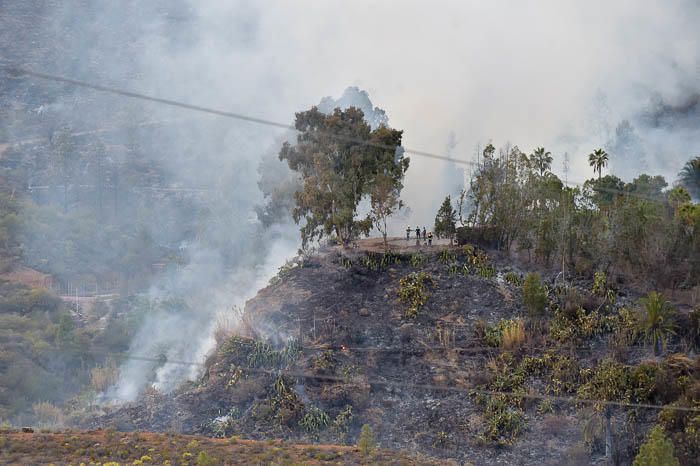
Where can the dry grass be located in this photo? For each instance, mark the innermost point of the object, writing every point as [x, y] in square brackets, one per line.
[150, 448]
[225, 326]
[514, 335]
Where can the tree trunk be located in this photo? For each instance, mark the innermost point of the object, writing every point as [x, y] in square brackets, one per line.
[609, 451]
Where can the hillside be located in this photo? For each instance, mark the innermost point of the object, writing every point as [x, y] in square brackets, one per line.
[331, 345]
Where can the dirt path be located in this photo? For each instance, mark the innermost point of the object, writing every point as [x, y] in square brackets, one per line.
[400, 245]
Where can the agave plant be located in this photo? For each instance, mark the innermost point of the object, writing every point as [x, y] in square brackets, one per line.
[656, 320]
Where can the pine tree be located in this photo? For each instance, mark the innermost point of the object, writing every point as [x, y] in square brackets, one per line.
[366, 442]
[656, 451]
[446, 219]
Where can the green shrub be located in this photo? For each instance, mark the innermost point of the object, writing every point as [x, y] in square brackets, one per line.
[341, 423]
[564, 374]
[314, 420]
[534, 295]
[600, 283]
[203, 459]
[16, 297]
[609, 381]
[565, 327]
[370, 262]
[693, 328]
[656, 451]
[447, 257]
[417, 260]
[504, 423]
[413, 291]
[513, 278]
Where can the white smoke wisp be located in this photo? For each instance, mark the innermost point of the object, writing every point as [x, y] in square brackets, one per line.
[188, 335]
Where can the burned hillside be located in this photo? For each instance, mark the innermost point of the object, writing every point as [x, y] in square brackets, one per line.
[437, 351]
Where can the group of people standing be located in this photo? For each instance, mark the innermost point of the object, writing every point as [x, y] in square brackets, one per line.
[427, 238]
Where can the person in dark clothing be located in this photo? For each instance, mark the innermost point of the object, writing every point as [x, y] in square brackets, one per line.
[408, 233]
[424, 234]
[418, 232]
[430, 238]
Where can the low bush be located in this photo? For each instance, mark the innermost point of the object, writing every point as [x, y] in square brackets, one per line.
[414, 292]
[609, 381]
[513, 278]
[314, 420]
[564, 374]
[22, 299]
[341, 423]
[504, 422]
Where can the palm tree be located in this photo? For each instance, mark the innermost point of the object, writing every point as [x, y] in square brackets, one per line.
[689, 177]
[598, 159]
[542, 160]
[656, 320]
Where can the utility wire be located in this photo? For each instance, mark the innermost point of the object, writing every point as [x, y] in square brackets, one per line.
[17, 71]
[20, 71]
[443, 388]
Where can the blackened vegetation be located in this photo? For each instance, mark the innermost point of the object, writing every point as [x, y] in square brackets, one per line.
[346, 353]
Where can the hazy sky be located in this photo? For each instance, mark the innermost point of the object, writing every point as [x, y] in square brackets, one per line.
[526, 72]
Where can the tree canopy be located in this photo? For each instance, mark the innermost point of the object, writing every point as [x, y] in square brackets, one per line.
[341, 160]
[606, 223]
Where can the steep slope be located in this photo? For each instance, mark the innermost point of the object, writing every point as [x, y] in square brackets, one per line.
[330, 345]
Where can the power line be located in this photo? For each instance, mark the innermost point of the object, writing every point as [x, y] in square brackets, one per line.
[443, 388]
[19, 71]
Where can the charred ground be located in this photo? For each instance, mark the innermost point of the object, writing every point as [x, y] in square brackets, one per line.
[330, 345]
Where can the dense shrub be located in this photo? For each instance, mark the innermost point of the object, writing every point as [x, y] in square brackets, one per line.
[504, 422]
[314, 420]
[609, 381]
[22, 299]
